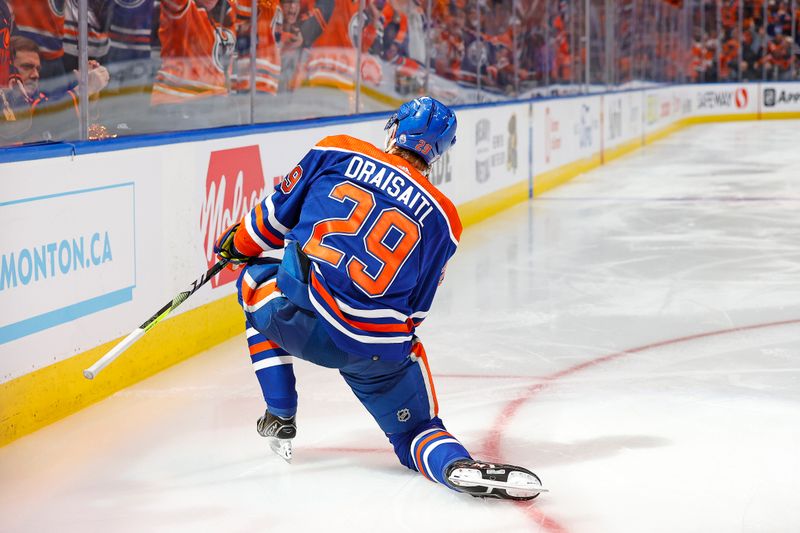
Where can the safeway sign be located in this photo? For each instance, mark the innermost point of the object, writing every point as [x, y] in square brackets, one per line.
[724, 99]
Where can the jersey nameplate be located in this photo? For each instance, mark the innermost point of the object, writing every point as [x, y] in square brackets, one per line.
[395, 185]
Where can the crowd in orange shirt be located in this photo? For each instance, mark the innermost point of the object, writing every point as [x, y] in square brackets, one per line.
[179, 59]
[752, 45]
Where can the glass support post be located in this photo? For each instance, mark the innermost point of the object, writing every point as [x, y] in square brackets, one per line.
[739, 55]
[793, 46]
[572, 48]
[547, 65]
[253, 59]
[764, 44]
[83, 69]
[428, 44]
[515, 50]
[359, 41]
[587, 68]
[480, 57]
[718, 49]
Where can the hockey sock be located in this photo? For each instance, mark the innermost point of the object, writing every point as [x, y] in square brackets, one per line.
[433, 450]
[275, 372]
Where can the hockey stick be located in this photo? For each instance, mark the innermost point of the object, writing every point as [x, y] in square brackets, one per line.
[136, 334]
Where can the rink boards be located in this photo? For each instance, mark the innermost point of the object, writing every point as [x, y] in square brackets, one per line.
[103, 238]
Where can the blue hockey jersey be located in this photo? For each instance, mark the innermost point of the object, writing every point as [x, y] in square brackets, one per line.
[378, 235]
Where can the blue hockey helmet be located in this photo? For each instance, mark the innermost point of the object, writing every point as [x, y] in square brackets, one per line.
[424, 126]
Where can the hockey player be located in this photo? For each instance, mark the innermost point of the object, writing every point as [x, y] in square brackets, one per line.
[366, 239]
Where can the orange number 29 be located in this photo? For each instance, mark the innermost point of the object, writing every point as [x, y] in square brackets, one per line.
[392, 256]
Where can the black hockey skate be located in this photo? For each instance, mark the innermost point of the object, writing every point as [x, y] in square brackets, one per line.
[279, 432]
[485, 480]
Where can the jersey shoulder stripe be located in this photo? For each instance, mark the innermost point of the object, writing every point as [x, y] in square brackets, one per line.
[345, 143]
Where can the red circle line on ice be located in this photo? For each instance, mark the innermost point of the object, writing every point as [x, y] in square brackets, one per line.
[491, 445]
[490, 448]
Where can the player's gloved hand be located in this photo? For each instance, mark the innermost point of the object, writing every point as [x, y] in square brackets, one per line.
[225, 248]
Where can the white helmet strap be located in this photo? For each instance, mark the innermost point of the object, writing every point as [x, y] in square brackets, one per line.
[389, 141]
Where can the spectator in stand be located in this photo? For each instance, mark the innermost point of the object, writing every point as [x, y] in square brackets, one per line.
[329, 24]
[268, 61]
[751, 50]
[54, 116]
[6, 28]
[497, 33]
[417, 23]
[395, 30]
[198, 38]
[448, 43]
[729, 58]
[759, 47]
[712, 41]
[780, 19]
[501, 69]
[98, 18]
[290, 41]
[476, 52]
[131, 62]
[404, 30]
[42, 21]
[15, 117]
[778, 58]
[530, 41]
[130, 41]
[27, 61]
[697, 65]
[563, 59]
[327, 29]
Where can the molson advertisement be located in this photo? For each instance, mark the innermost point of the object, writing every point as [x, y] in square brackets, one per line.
[234, 185]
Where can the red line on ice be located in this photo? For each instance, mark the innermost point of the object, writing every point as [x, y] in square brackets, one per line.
[491, 446]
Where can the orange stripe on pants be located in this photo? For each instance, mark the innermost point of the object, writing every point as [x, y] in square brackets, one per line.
[262, 346]
[419, 452]
[419, 351]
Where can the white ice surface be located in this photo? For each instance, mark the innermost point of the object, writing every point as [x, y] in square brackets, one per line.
[632, 337]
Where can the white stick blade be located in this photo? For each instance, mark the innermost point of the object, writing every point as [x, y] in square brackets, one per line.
[115, 352]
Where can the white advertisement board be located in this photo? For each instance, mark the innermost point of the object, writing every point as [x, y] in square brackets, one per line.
[663, 107]
[95, 243]
[565, 130]
[622, 118]
[491, 153]
[724, 99]
[780, 97]
[103, 240]
[85, 259]
[72, 254]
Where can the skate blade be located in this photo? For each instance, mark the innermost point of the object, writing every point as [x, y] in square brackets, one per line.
[282, 448]
[519, 484]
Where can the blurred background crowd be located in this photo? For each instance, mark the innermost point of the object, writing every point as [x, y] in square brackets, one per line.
[93, 69]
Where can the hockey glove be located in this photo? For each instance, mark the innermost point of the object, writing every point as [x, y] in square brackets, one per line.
[225, 248]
